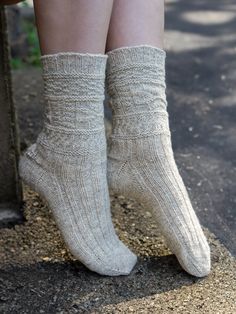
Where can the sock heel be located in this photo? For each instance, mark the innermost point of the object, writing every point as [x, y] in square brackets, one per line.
[30, 172]
[119, 178]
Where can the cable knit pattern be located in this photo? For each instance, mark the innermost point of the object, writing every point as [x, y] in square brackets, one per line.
[67, 164]
[141, 163]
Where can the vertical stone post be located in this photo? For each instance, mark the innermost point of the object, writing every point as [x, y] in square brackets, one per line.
[10, 186]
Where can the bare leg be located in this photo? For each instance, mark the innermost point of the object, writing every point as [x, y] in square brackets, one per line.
[73, 25]
[136, 22]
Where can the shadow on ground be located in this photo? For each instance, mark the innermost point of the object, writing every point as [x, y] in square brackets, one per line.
[51, 287]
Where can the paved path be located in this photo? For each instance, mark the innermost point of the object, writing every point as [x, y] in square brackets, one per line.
[201, 67]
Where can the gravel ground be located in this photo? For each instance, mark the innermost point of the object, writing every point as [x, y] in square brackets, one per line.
[38, 275]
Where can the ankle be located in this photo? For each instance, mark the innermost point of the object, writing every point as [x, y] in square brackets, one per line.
[140, 125]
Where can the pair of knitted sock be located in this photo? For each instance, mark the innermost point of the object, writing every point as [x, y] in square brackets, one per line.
[68, 163]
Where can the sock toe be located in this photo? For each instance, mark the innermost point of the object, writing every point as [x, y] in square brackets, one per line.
[197, 263]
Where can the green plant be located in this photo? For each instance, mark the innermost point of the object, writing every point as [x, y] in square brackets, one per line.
[16, 63]
[33, 57]
[25, 4]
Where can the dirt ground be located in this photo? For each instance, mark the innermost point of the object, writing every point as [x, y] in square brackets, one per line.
[37, 274]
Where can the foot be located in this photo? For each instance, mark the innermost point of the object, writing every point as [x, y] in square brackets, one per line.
[151, 177]
[76, 192]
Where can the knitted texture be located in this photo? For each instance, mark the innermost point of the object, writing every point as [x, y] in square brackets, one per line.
[141, 164]
[67, 164]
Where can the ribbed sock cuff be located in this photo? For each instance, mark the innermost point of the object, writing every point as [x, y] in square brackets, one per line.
[74, 63]
[125, 56]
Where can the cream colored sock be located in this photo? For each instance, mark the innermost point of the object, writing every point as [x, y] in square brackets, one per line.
[67, 165]
[141, 162]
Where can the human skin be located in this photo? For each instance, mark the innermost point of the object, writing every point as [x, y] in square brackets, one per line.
[136, 22]
[72, 26]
